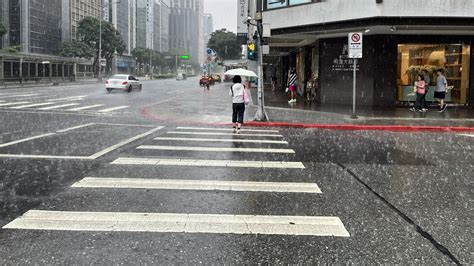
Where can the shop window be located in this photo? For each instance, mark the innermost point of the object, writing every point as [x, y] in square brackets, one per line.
[453, 59]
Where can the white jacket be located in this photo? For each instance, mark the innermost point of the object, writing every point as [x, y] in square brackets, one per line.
[237, 93]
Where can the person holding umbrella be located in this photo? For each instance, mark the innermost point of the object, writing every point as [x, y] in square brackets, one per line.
[239, 100]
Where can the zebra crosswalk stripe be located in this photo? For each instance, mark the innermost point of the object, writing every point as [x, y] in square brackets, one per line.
[208, 163]
[180, 223]
[226, 129]
[181, 184]
[224, 140]
[86, 107]
[213, 149]
[222, 134]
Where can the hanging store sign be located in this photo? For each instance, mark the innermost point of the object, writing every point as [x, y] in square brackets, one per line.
[242, 14]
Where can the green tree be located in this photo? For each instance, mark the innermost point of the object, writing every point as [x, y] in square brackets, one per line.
[3, 30]
[77, 49]
[225, 44]
[145, 56]
[88, 33]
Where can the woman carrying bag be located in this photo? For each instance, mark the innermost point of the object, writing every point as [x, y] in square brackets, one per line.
[240, 98]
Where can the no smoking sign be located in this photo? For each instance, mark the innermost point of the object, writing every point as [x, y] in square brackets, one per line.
[355, 45]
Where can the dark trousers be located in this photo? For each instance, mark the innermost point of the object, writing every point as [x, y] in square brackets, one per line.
[425, 105]
[238, 110]
[420, 101]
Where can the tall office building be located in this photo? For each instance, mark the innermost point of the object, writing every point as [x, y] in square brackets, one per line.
[3, 21]
[161, 13]
[144, 18]
[208, 27]
[34, 26]
[122, 16]
[186, 28]
[75, 11]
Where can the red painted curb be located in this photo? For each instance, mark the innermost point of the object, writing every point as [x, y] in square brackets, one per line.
[398, 128]
[349, 127]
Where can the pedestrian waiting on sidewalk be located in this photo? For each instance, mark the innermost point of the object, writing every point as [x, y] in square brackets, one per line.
[427, 78]
[441, 90]
[420, 94]
[292, 81]
[240, 98]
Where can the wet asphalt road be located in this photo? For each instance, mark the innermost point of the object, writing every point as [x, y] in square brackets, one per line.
[401, 197]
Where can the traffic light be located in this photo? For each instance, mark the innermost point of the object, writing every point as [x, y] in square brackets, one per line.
[251, 51]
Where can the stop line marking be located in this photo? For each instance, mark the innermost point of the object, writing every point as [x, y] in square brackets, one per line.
[223, 134]
[180, 223]
[213, 149]
[209, 163]
[227, 129]
[225, 140]
[181, 184]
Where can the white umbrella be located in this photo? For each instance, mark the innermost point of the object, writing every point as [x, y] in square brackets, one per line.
[241, 72]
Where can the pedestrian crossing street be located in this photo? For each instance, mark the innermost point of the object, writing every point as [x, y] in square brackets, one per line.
[185, 154]
[36, 101]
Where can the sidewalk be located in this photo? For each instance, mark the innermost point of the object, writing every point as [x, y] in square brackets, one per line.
[194, 105]
[279, 110]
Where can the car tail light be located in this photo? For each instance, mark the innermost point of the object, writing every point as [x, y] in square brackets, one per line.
[125, 83]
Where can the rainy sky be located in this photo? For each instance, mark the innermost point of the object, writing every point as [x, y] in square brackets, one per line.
[224, 13]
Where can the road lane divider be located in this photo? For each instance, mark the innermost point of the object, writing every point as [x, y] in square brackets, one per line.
[208, 163]
[224, 140]
[223, 134]
[32, 105]
[25, 139]
[226, 129]
[122, 143]
[181, 184]
[213, 149]
[180, 223]
[10, 104]
[58, 106]
[85, 107]
[113, 109]
[20, 95]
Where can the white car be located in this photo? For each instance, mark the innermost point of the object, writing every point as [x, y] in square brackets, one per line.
[123, 82]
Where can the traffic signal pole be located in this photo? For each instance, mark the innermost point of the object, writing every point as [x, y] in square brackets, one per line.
[261, 114]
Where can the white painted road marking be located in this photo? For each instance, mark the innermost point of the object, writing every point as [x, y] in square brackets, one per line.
[86, 107]
[179, 223]
[222, 134]
[172, 91]
[125, 142]
[282, 187]
[71, 98]
[467, 135]
[73, 128]
[25, 139]
[227, 129]
[32, 105]
[113, 109]
[226, 140]
[209, 163]
[20, 95]
[10, 104]
[212, 149]
[58, 106]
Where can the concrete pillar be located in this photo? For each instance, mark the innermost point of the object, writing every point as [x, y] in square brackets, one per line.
[2, 73]
[36, 69]
[62, 72]
[50, 70]
[20, 72]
